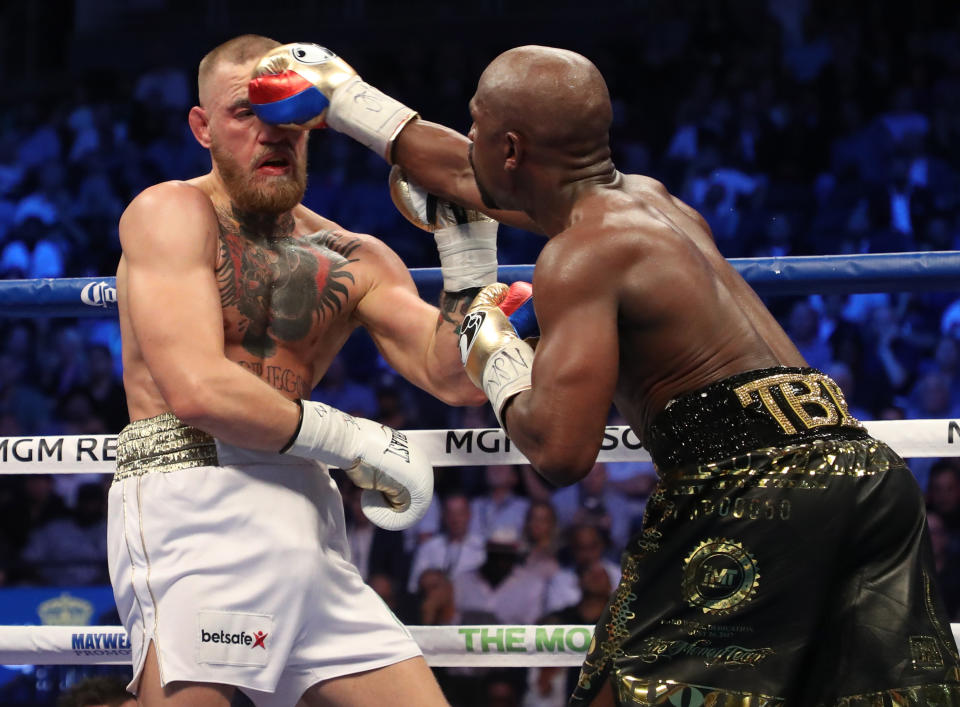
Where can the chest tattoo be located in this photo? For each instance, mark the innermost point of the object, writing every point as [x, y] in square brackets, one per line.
[279, 285]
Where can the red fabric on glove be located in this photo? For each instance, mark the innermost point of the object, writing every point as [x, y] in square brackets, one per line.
[518, 293]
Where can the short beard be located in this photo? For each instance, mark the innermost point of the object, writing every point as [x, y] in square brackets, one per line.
[256, 193]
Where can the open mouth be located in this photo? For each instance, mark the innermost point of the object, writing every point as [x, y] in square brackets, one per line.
[275, 165]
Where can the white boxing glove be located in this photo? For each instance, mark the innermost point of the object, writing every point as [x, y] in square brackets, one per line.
[308, 86]
[396, 477]
[466, 239]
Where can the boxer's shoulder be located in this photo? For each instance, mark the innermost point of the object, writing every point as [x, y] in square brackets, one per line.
[173, 194]
[168, 214]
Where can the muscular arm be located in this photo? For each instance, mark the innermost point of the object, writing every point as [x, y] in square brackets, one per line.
[558, 424]
[416, 338]
[169, 237]
[435, 157]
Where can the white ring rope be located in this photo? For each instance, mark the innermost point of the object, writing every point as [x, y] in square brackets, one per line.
[494, 646]
[506, 646]
[443, 646]
[84, 454]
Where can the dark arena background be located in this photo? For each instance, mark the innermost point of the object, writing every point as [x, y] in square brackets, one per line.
[797, 128]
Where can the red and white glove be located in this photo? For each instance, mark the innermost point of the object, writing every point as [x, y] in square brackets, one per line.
[396, 477]
[308, 86]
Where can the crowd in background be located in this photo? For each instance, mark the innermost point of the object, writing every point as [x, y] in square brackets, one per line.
[795, 128]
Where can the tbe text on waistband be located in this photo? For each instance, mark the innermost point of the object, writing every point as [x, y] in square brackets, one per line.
[805, 394]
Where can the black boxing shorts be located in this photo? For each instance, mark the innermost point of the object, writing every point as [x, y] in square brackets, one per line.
[784, 561]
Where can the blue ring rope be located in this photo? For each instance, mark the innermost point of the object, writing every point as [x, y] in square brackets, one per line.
[795, 275]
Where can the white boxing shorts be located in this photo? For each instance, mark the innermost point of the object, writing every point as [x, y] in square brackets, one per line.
[235, 564]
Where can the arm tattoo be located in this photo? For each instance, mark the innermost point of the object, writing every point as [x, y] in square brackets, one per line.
[454, 305]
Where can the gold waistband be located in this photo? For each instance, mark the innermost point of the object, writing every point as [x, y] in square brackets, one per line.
[651, 692]
[162, 443]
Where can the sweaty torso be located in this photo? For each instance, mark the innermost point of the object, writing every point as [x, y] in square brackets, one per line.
[287, 302]
[685, 316]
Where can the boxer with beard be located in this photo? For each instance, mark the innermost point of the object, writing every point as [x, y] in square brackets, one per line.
[227, 549]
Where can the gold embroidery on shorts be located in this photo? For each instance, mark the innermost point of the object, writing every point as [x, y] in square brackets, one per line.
[940, 695]
[808, 465]
[162, 443]
[644, 692]
[924, 653]
[719, 576]
[945, 638]
[615, 631]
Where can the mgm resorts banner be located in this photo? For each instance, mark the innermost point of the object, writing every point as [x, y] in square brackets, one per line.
[79, 454]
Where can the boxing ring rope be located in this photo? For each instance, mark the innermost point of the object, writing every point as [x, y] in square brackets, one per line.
[795, 275]
[447, 646]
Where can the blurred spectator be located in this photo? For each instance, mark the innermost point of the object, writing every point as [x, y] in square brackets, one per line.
[33, 503]
[803, 328]
[943, 495]
[437, 606]
[499, 508]
[373, 550]
[594, 501]
[26, 408]
[97, 691]
[502, 689]
[79, 414]
[72, 551]
[550, 687]
[338, 390]
[32, 248]
[888, 359]
[455, 550]
[64, 365]
[930, 398]
[541, 537]
[947, 562]
[588, 546]
[104, 389]
[501, 585]
[842, 374]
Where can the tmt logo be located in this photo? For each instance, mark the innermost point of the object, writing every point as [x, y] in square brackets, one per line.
[720, 577]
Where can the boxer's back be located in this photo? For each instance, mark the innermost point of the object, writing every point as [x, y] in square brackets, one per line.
[685, 316]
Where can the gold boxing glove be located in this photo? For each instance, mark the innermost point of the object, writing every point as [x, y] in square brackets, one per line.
[466, 239]
[308, 86]
[496, 359]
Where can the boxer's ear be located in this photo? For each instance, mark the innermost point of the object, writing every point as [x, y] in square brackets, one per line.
[513, 150]
[200, 125]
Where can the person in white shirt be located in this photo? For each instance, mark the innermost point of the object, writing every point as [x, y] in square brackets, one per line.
[501, 586]
[454, 550]
[500, 507]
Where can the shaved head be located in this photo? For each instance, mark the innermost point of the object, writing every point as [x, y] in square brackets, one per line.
[239, 50]
[541, 120]
[555, 97]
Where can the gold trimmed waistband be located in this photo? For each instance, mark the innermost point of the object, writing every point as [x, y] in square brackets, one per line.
[651, 692]
[162, 443]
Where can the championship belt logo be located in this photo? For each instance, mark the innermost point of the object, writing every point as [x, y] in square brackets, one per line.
[719, 576]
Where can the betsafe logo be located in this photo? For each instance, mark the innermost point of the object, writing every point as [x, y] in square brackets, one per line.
[243, 638]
